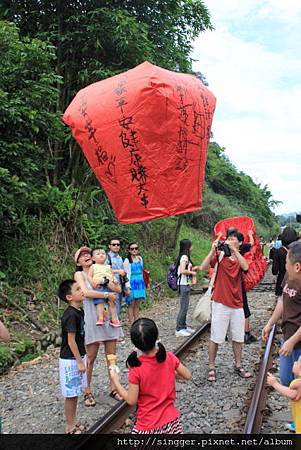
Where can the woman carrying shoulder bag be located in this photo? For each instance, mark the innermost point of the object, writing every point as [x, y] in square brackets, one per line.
[186, 277]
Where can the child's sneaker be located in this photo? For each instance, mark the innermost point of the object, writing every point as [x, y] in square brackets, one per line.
[115, 323]
[99, 323]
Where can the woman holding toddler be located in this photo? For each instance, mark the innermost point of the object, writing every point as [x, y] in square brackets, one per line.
[94, 335]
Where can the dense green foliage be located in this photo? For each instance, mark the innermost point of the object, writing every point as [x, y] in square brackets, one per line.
[28, 123]
[97, 39]
[50, 202]
[224, 178]
[290, 220]
[230, 192]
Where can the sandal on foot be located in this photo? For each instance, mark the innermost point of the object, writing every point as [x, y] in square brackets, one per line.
[74, 430]
[241, 372]
[211, 375]
[82, 427]
[114, 394]
[89, 399]
[115, 323]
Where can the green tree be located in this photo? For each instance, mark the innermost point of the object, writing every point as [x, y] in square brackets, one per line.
[97, 39]
[223, 178]
[28, 121]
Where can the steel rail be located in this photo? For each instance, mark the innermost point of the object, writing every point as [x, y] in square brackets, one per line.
[255, 412]
[117, 415]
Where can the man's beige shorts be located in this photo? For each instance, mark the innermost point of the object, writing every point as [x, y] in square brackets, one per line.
[224, 317]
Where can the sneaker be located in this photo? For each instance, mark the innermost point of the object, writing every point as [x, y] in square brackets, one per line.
[190, 330]
[182, 333]
[249, 338]
[291, 427]
[99, 323]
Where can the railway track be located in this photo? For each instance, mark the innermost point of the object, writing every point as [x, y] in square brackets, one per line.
[255, 412]
[116, 416]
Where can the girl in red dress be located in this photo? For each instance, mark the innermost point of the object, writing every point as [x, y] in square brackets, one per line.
[152, 381]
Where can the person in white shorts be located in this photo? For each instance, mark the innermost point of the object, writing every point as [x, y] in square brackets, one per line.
[227, 301]
[72, 362]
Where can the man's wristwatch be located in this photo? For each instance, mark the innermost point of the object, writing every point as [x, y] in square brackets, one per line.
[106, 295]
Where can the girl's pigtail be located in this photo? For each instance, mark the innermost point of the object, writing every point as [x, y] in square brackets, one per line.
[161, 353]
[133, 360]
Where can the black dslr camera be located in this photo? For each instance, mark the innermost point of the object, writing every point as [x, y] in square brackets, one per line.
[223, 247]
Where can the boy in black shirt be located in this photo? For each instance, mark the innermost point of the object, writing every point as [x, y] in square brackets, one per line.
[73, 354]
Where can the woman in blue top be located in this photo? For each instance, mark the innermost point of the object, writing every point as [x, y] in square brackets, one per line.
[133, 265]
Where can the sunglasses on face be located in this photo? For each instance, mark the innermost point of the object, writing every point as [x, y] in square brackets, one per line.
[115, 245]
[84, 254]
[133, 248]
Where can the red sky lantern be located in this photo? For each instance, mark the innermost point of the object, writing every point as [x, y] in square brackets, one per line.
[145, 134]
[256, 260]
[244, 224]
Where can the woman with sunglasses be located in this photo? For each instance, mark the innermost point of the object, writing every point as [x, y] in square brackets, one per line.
[133, 265]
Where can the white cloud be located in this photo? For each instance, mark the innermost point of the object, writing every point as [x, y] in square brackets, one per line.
[231, 10]
[258, 99]
[286, 11]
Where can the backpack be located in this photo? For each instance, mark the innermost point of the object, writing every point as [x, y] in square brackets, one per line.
[172, 277]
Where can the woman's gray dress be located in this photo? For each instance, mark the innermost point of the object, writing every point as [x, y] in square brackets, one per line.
[94, 333]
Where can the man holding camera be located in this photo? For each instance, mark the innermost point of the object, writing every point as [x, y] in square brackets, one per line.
[227, 300]
[116, 262]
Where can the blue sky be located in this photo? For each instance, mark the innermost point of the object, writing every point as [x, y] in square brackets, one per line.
[252, 61]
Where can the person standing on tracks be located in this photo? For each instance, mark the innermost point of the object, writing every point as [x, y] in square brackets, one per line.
[288, 308]
[186, 277]
[116, 262]
[244, 248]
[133, 265]
[271, 247]
[94, 335]
[151, 379]
[227, 301]
[73, 360]
[288, 236]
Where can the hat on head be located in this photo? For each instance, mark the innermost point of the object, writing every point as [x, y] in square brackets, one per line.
[79, 251]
